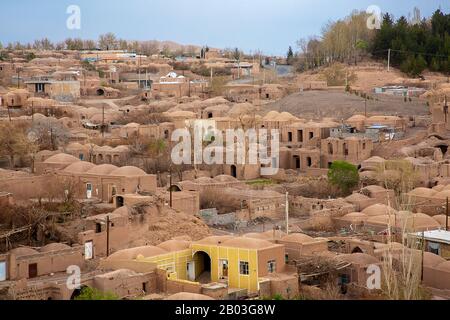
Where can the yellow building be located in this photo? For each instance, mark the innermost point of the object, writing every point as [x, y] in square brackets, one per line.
[238, 262]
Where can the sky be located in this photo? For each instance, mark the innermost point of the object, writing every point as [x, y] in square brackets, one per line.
[267, 25]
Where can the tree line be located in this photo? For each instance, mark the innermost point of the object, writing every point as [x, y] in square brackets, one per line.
[415, 44]
[107, 41]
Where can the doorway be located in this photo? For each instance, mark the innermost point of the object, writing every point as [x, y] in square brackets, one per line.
[233, 171]
[191, 270]
[32, 270]
[223, 265]
[203, 262]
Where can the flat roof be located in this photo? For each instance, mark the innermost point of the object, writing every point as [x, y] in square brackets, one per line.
[439, 235]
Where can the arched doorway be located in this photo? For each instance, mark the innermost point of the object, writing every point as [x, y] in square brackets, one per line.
[357, 250]
[202, 262]
[77, 292]
[100, 92]
[233, 171]
[443, 148]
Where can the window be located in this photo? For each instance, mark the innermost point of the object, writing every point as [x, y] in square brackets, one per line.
[271, 266]
[243, 267]
[311, 135]
[88, 250]
[290, 136]
[286, 258]
[300, 135]
[2, 270]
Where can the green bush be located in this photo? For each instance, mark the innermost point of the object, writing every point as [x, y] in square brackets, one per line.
[343, 175]
[88, 293]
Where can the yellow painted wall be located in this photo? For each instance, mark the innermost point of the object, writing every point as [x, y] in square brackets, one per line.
[177, 260]
[233, 255]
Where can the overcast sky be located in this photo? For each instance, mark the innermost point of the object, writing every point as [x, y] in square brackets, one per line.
[268, 25]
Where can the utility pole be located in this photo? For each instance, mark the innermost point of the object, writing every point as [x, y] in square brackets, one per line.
[107, 235]
[18, 78]
[170, 187]
[389, 60]
[446, 216]
[365, 107]
[423, 249]
[287, 212]
[103, 121]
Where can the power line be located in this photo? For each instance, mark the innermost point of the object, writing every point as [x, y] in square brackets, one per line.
[415, 52]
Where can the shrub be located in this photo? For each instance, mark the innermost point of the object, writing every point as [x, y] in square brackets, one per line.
[344, 175]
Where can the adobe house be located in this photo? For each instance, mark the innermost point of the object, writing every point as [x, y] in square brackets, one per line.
[106, 181]
[436, 241]
[191, 266]
[356, 272]
[97, 237]
[61, 90]
[173, 85]
[16, 98]
[26, 263]
[310, 134]
[351, 149]
[297, 245]
[436, 272]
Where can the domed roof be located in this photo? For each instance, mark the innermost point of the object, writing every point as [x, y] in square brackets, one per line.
[204, 180]
[378, 210]
[133, 253]
[375, 159]
[444, 194]
[132, 125]
[355, 216]
[23, 251]
[214, 240]
[359, 258]
[128, 171]
[186, 296]
[79, 167]
[121, 149]
[75, 146]
[424, 221]
[256, 235]
[286, 116]
[382, 219]
[444, 266]
[102, 169]
[247, 243]
[422, 192]
[439, 187]
[62, 158]
[54, 247]
[174, 245]
[297, 237]
[357, 117]
[374, 188]
[440, 218]
[356, 197]
[431, 259]
[224, 178]
[123, 211]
